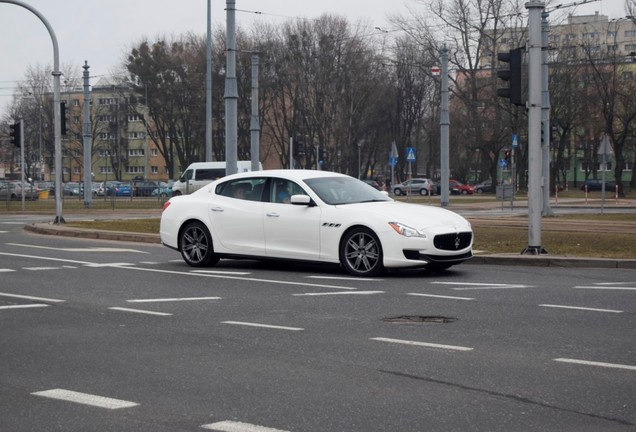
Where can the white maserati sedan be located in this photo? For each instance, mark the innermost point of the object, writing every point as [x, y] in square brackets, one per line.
[316, 216]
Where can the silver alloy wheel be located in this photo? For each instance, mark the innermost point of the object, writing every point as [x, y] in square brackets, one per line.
[196, 246]
[361, 253]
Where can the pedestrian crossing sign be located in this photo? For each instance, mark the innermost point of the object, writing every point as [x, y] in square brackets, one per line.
[410, 154]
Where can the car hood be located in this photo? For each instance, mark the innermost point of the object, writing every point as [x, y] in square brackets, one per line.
[417, 216]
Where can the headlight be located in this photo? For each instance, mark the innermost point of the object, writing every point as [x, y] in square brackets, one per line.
[406, 230]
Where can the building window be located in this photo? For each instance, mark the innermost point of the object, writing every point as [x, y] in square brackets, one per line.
[106, 101]
[135, 152]
[105, 170]
[134, 117]
[106, 118]
[591, 36]
[76, 102]
[612, 34]
[154, 152]
[630, 47]
[106, 136]
[154, 169]
[77, 119]
[630, 33]
[135, 170]
[136, 135]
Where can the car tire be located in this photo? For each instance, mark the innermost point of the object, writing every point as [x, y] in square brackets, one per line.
[361, 253]
[397, 192]
[480, 191]
[176, 193]
[423, 192]
[195, 244]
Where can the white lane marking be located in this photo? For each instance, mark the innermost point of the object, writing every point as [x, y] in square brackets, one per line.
[614, 283]
[45, 258]
[131, 266]
[88, 249]
[20, 296]
[249, 324]
[149, 262]
[172, 299]
[41, 268]
[246, 279]
[85, 399]
[3, 232]
[441, 296]
[6, 270]
[606, 288]
[234, 426]
[36, 305]
[340, 293]
[480, 286]
[581, 308]
[346, 278]
[593, 363]
[139, 311]
[221, 272]
[423, 344]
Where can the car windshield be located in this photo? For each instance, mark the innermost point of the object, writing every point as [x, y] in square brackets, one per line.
[344, 190]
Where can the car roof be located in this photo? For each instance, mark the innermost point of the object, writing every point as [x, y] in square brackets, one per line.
[290, 174]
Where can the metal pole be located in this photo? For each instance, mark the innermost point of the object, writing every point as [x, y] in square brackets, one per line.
[291, 153]
[21, 141]
[545, 113]
[209, 151]
[231, 92]
[57, 131]
[534, 129]
[255, 126]
[86, 142]
[444, 129]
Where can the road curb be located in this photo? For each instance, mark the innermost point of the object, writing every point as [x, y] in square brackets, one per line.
[61, 230]
[500, 259]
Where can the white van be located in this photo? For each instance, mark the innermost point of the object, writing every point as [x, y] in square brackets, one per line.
[198, 174]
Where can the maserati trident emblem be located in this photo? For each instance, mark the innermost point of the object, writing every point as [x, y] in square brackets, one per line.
[457, 241]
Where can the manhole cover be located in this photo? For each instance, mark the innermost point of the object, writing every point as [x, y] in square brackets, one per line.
[414, 319]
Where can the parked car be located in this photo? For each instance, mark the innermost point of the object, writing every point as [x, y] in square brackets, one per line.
[485, 186]
[457, 188]
[118, 189]
[597, 185]
[330, 218]
[422, 186]
[71, 189]
[144, 188]
[164, 190]
[11, 190]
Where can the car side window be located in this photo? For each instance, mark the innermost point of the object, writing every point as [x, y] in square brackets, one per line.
[244, 189]
[281, 191]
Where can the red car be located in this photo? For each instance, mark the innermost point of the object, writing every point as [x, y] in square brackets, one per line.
[459, 188]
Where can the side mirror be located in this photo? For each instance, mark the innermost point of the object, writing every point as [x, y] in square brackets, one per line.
[302, 200]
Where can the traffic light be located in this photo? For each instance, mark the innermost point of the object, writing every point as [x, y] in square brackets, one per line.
[63, 117]
[15, 133]
[512, 75]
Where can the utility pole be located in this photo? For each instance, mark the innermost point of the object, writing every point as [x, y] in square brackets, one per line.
[209, 151]
[255, 127]
[231, 92]
[534, 129]
[545, 114]
[444, 122]
[86, 142]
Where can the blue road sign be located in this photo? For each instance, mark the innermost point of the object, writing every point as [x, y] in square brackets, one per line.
[392, 161]
[410, 154]
[515, 140]
[502, 163]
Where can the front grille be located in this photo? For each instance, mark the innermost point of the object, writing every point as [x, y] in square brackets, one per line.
[454, 241]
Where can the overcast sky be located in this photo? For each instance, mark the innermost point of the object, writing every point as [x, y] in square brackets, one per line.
[102, 31]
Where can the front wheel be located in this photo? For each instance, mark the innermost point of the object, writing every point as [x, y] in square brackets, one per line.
[195, 244]
[361, 253]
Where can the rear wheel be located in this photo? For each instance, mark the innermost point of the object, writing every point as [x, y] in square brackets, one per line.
[361, 253]
[423, 191]
[195, 244]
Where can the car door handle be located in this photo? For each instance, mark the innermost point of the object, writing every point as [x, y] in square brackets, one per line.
[272, 214]
[217, 209]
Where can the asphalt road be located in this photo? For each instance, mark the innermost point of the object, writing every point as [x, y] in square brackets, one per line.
[113, 336]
